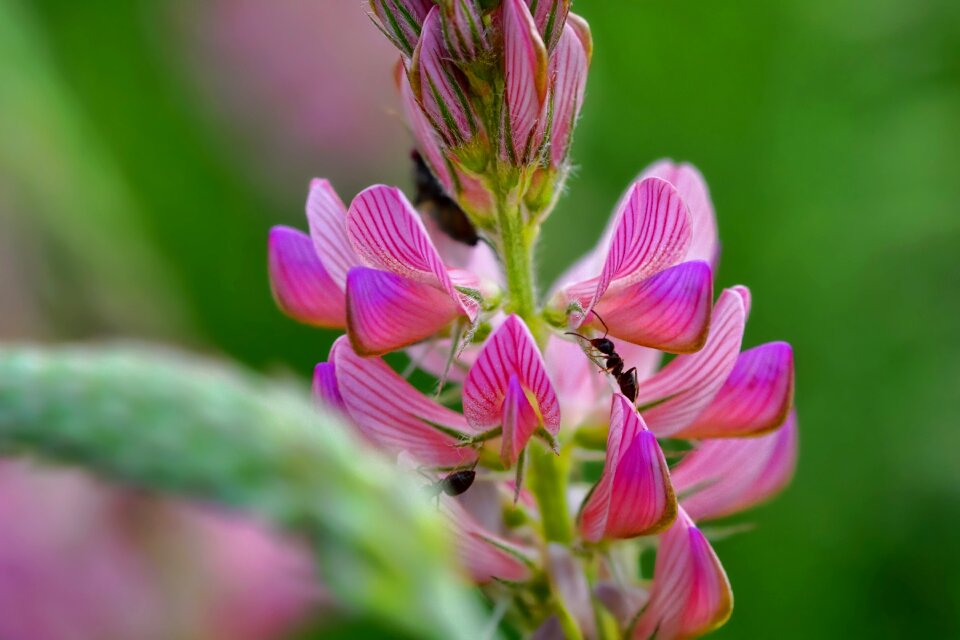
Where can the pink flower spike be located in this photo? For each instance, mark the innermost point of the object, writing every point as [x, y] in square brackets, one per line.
[691, 595]
[669, 311]
[325, 388]
[550, 16]
[525, 71]
[301, 285]
[401, 20]
[508, 386]
[704, 244]
[463, 30]
[425, 135]
[651, 232]
[438, 85]
[386, 312]
[568, 73]
[755, 399]
[726, 476]
[327, 217]
[634, 496]
[393, 415]
[679, 392]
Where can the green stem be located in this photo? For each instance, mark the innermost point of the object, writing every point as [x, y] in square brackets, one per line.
[547, 479]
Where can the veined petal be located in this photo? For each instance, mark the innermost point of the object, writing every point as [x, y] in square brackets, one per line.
[393, 415]
[726, 476]
[673, 398]
[463, 29]
[691, 595]
[386, 231]
[525, 71]
[634, 496]
[386, 311]
[424, 134]
[301, 286]
[704, 243]
[325, 388]
[669, 311]
[519, 420]
[755, 399]
[485, 555]
[438, 86]
[401, 20]
[651, 232]
[581, 389]
[327, 216]
[509, 358]
[550, 16]
[568, 73]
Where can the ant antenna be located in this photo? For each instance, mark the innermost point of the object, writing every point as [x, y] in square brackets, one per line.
[605, 329]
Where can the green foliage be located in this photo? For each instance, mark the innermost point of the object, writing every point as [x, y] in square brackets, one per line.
[190, 428]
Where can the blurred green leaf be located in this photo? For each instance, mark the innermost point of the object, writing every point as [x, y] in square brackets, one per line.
[166, 422]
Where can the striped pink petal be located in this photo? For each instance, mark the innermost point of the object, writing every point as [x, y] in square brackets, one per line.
[690, 595]
[669, 311]
[581, 390]
[726, 476]
[325, 388]
[550, 16]
[464, 33]
[485, 555]
[387, 233]
[438, 85]
[327, 217]
[425, 135]
[507, 381]
[756, 397]
[301, 286]
[704, 244]
[568, 73]
[525, 71]
[386, 311]
[651, 232]
[401, 20]
[393, 415]
[679, 392]
[634, 496]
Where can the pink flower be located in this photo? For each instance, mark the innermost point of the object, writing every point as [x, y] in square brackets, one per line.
[486, 555]
[464, 32]
[508, 387]
[722, 477]
[634, 496]
[401, 21]
[691, 595]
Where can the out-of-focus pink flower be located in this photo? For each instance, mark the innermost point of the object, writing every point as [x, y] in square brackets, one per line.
[634, 496]
[486, 555]
[80, 560]
[690, 595]
[508, 387]
[725, 476]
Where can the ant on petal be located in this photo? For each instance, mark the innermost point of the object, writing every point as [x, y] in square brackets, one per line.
[455, 483]
[612, 363]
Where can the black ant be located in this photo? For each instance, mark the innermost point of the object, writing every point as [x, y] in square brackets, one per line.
[453, 484]
[442, 208]
[613, 363]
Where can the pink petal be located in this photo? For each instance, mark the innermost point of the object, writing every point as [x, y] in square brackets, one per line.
[634, 496]
[301, 286]
[704, 244]
[519, 420]
[651, 232]
[393, 415]
[550, 17]
[730, 475]
[569, 582]
[486, 555]
[463, 31]
[386, 312]
[691, 595]
[438, 86]
[401, 20]
[325, 388]
[669, 311]
[581, 389]
[568, 71]
[525, 68]
[327, 218]
[755, 399]
[510, 363]
[386, 231]
[684, 388]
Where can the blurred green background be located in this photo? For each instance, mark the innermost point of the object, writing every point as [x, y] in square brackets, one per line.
[146, 146]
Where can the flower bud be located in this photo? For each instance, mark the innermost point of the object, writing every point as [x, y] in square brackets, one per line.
[525, 75]
[463, 29]
[439, 86]
[549, 16]
[401, 21]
